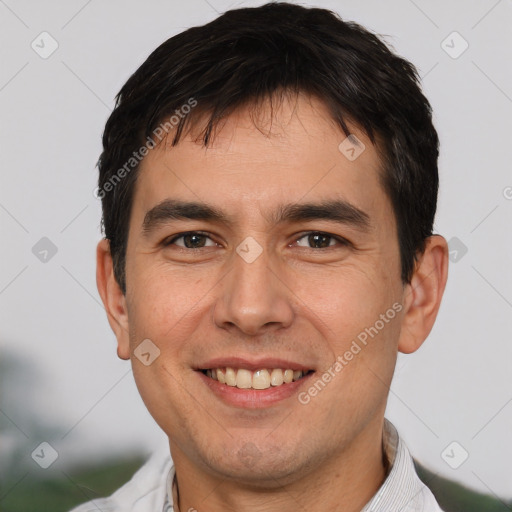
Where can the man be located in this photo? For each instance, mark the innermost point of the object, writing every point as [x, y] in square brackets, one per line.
[269, 185]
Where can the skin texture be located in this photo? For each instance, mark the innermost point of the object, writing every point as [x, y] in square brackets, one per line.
[296, 301]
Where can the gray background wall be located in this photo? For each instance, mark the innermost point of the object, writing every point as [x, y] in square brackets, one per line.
[65, 383]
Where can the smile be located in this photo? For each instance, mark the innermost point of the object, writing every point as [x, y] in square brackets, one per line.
[265, 378]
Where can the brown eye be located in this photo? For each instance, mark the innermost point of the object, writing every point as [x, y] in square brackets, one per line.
[191, 240]
[318, 240]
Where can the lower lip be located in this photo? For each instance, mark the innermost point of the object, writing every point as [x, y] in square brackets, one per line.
[253, 398]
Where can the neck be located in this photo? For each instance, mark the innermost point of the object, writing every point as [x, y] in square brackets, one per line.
[346, 481]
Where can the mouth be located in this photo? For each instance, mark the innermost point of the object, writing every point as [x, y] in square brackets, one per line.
[259, 379]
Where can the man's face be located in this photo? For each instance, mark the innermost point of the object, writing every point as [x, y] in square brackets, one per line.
[255, 291]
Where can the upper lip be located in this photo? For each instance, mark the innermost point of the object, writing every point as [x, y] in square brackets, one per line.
[252, 364]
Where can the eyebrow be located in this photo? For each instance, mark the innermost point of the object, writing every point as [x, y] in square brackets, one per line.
[337, 210]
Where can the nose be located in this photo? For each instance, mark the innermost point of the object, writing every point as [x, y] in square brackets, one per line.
[254, 298]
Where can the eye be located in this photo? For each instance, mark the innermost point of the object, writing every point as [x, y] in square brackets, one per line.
[199, 240]
[320, 240]
[191, 240]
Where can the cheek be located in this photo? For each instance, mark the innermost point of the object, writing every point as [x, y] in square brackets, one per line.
[166, 301]
[353, 310]
[163, 392]
[344, 301]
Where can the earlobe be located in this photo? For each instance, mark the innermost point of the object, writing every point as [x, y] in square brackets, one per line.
[113, 298]
[422, 297]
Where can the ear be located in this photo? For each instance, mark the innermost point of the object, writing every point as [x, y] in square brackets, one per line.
[113, 298]
[422, 297]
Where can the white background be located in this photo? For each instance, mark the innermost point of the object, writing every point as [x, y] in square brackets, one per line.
[69, 388]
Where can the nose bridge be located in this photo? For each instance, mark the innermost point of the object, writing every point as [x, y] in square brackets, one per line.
[251, 272]
[252, 296]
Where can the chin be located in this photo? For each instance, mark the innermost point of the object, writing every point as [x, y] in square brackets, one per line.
[257, 465]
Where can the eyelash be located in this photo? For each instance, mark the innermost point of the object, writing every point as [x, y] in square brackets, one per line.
[341, 240]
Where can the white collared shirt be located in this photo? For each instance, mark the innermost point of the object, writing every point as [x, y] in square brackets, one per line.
[151, 488]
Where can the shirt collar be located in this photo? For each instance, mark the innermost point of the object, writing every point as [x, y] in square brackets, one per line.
[402, 489]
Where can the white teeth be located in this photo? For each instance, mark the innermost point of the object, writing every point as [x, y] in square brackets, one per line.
[230, 377]
[243, 379]
[276, 377]
[259, 379]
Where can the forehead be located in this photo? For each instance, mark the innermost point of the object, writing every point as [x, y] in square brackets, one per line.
[262, 156]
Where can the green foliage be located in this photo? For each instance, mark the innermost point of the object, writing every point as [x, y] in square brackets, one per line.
[64, 490]
[454, 497]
